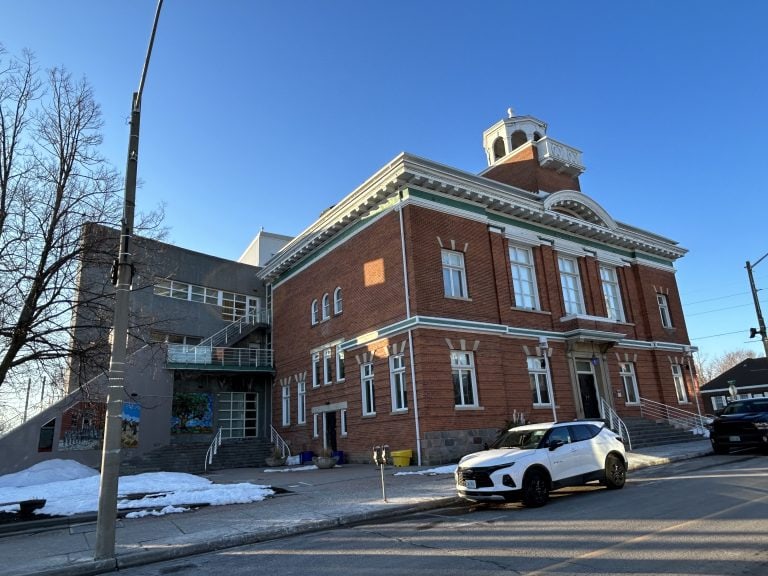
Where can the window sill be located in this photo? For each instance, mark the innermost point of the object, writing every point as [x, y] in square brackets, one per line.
[401, 411]
[460, 298]
[534, 310]
[468, 408]
[542, 406]
[371, 415]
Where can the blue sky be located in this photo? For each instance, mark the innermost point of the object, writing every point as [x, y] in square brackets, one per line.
[264, 113]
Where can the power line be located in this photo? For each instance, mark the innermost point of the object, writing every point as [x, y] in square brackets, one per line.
[716, 298]
[716, 335]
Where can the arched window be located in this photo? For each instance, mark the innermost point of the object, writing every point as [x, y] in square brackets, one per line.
[536, 136]
[337, 304]
[518, 138]
[326, 306]
[498, 148]
[314, 311]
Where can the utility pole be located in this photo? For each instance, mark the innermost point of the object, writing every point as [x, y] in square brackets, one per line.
[760, 321]
[110, 457]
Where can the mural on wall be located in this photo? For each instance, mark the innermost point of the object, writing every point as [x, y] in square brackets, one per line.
[131, 418]
[82, 426]
[192, 413]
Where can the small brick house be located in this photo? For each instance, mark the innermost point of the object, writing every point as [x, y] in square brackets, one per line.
[431, 306]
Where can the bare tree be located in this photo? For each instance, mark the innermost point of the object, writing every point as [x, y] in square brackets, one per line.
[709, 368]
[53, 181]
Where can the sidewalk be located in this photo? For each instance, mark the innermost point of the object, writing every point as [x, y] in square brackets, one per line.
[315, 500]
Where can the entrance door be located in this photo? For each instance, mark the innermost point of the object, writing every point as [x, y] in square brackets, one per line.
[330, 430]
[587, 389]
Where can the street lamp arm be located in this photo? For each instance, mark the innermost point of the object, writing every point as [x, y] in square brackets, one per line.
[149, 54]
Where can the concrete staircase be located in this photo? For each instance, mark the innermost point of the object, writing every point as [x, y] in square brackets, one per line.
[190, 457]
[644, 433]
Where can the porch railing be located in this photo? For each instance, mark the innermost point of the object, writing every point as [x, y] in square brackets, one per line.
[614, 422]
[212, 450]
[223, 357]
[278, 441]
[677, 417]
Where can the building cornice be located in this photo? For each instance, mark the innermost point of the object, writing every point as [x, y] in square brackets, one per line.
[519, 206]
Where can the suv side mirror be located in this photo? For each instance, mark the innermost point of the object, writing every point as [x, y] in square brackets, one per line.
[555, 444]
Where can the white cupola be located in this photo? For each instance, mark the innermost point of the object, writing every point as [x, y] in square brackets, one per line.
[511, 133]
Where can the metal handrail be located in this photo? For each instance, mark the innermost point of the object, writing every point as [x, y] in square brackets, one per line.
[217, 356]
[614, 422]
[239, 326]
[212, 450]
[677, 417]
[278, 441]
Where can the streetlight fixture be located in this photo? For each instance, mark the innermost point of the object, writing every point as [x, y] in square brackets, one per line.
[122, 275]
[760, 321]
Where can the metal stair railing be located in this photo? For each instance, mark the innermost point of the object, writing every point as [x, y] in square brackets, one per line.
[614, 422]
[677, 417]
[224, 357]
[278, 441]
[212, 450]
[241, 327]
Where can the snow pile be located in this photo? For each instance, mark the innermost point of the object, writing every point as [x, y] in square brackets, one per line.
[70, 488]
[450, 469]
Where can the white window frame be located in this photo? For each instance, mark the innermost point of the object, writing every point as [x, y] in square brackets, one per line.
[463, 369]
[316, 425]
[315, 369]
[286, 404]
[328, 366]
[326, 306]
[538, 378]
[523, 272]
[343, 421]
[679, 380]
[609, 282]
[301, 402]
[666, 317]
[570, 285]
[367, 389]
[628, 378]
[340, 367]
[338, 304]
[313, 312]
[454, 274]
[719, 402]
[398, 383]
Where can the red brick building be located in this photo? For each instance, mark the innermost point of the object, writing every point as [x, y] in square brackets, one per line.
[431, 306]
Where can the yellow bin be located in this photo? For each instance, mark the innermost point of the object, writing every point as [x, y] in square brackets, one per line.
[401, 457]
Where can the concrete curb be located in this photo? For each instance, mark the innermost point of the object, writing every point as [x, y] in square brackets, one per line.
[648, 461]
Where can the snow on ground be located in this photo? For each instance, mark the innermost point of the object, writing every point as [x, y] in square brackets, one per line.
[293, 469]
[70, 488]
[450, 469]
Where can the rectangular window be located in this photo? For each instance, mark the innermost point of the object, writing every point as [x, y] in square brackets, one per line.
[611, 293]
[627, 376]
[523, 278]
[454, 276]
[677, 376]
[315, 425]
[316, 370]
[343, 418]
[464, 382]
[328, 366]
[301, 402]
[666, 319]
[286, 405]
[570, 282]
[397, 381]
[339, 365]
[719, 402]
[537, 374]
[366, 380]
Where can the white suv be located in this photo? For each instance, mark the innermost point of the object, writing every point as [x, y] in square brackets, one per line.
[526, 462]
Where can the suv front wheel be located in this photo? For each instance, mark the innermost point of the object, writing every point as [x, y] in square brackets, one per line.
[535, 489]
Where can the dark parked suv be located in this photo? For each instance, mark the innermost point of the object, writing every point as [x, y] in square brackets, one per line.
[741, 424]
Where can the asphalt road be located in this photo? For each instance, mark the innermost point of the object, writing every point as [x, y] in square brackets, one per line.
[707, 516]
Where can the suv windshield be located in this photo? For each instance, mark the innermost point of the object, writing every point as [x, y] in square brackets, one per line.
[746, 407]
[523, 439]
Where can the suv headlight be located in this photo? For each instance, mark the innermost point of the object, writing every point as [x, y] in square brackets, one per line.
[761, 425]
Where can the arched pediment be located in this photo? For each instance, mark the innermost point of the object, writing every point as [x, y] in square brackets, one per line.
[578, 205]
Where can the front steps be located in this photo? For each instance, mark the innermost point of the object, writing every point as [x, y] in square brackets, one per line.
[644, 433]
[190, 457]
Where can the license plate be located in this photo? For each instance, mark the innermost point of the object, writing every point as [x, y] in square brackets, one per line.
[734, 438]
[470, 484]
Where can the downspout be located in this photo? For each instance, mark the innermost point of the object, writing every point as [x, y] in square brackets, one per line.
[410, 334]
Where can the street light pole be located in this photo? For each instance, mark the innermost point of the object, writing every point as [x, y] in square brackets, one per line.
[760, 321]
[110, 457]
